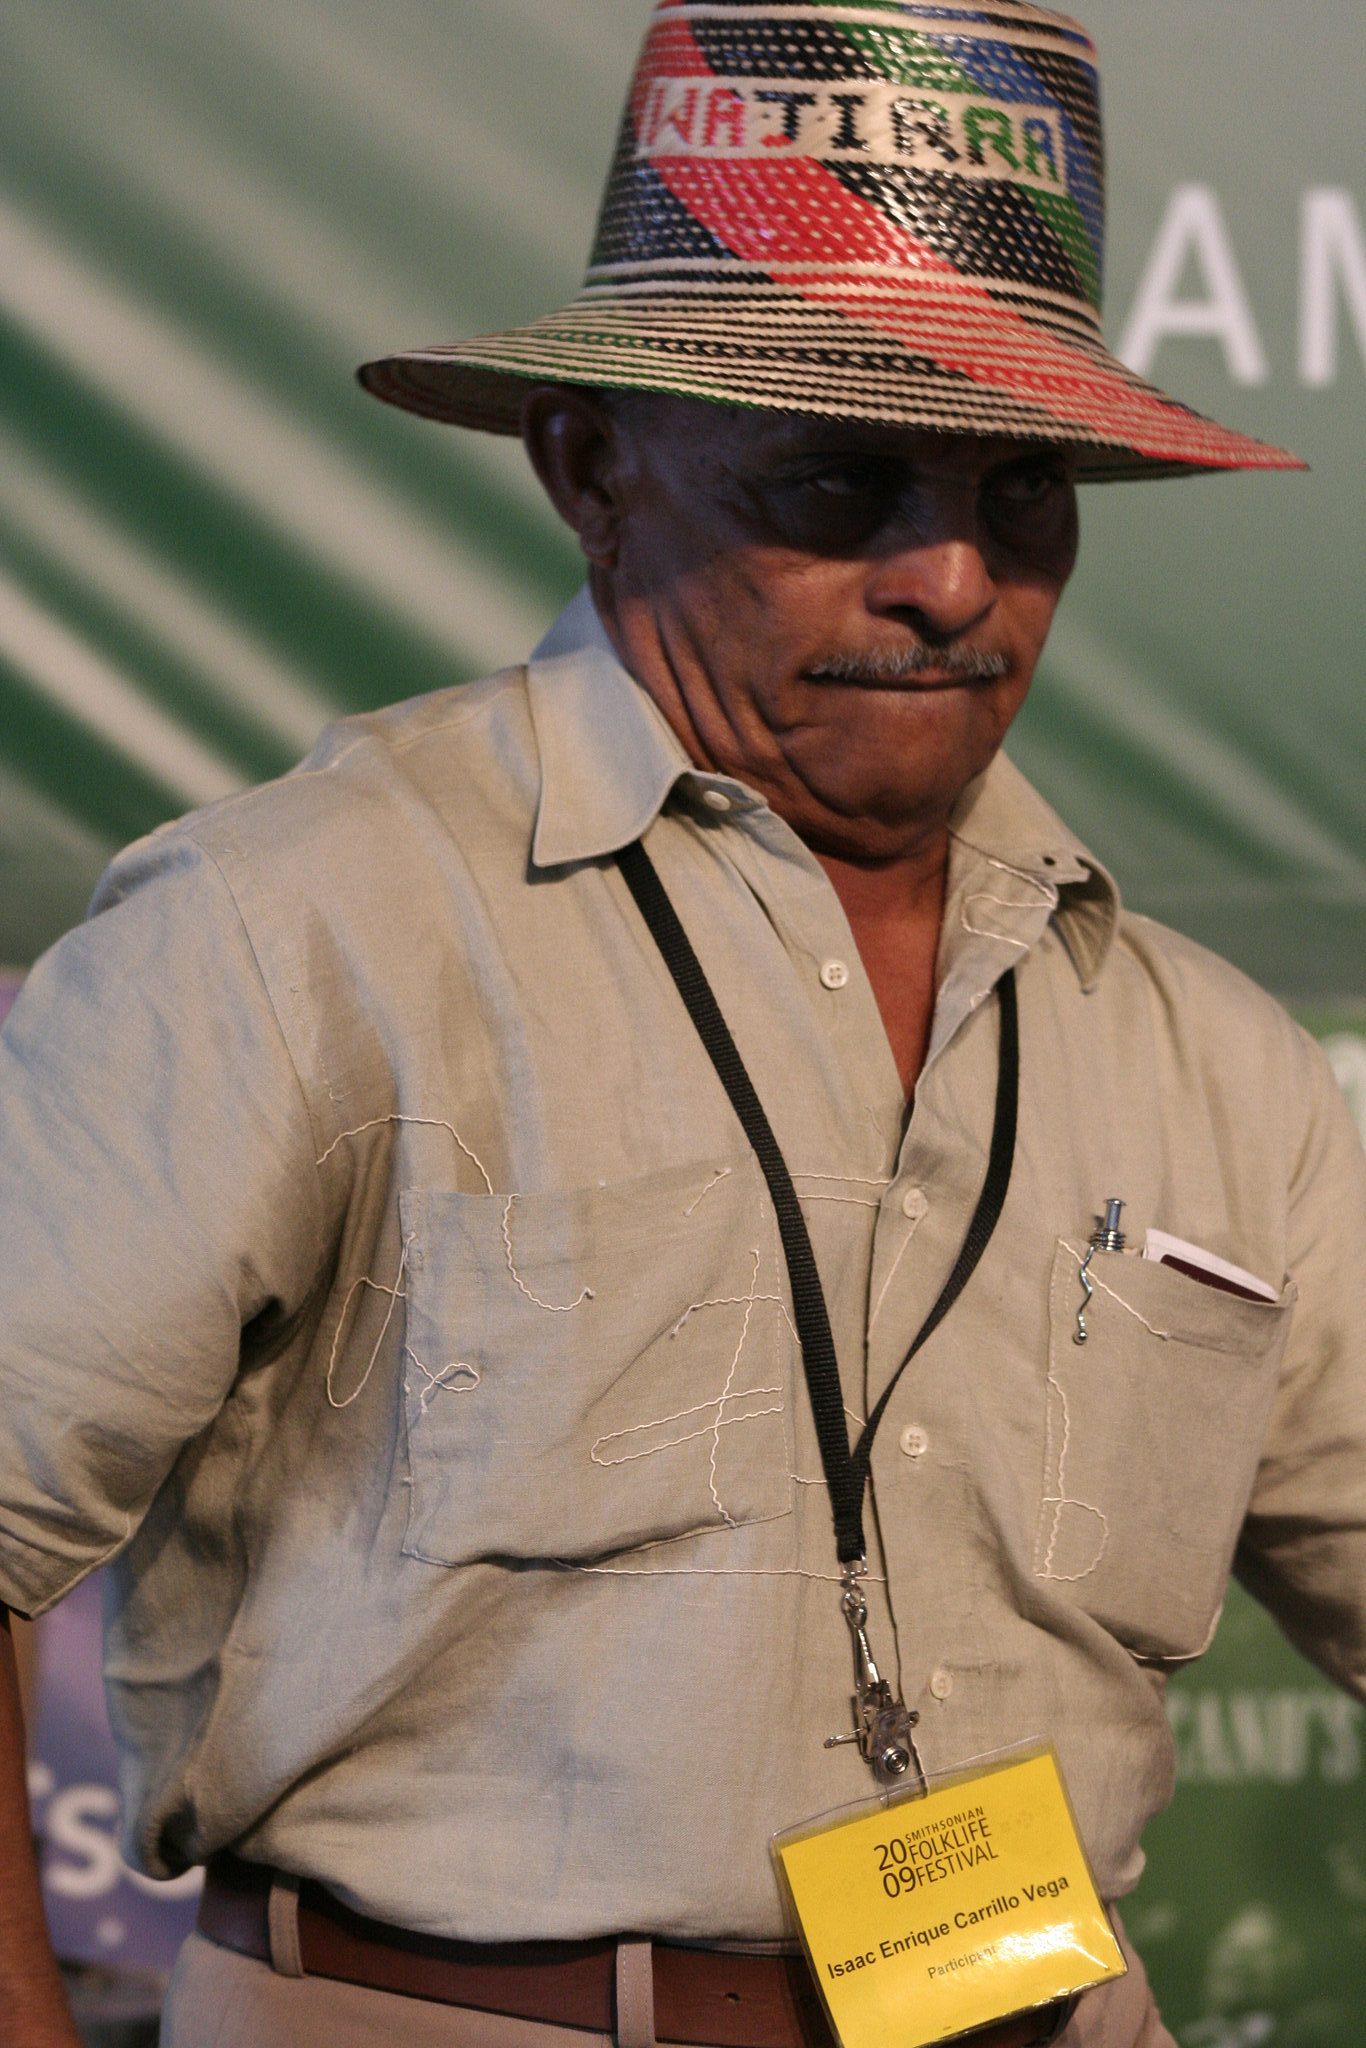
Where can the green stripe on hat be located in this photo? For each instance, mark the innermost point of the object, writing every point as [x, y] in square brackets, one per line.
[908, 58]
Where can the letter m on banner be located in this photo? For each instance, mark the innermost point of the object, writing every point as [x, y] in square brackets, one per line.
[1332, 270]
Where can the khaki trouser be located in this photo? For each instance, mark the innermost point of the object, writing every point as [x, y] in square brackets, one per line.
[219, 1999]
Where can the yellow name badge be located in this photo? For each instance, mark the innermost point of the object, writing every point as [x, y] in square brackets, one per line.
[932, 1915]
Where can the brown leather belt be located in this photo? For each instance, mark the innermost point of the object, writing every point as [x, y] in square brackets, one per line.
[702, 1996]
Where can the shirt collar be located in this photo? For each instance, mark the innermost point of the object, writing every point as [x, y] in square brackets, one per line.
[609, 760]
[608, 756]
[1004, 821]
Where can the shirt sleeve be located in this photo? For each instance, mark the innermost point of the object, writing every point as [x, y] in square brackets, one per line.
[157, 1194]
[1303, 1549]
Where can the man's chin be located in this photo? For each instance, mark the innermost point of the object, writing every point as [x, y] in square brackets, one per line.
[876, 807]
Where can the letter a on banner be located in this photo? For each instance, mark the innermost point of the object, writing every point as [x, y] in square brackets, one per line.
[1194, 227]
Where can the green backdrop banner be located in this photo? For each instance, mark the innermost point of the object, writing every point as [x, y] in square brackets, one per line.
[1251, 1916]
[211, 541]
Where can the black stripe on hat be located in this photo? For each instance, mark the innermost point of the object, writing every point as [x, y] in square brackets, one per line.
[997, 236]
[641, 221]
[790, 50]
[1073, 85]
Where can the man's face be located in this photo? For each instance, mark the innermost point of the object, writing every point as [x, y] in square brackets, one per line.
[845, 617]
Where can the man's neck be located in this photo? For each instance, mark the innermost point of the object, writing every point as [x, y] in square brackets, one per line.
[895, 910]
[894, 906]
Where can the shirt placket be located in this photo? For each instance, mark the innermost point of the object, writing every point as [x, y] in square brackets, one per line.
[919, 1496]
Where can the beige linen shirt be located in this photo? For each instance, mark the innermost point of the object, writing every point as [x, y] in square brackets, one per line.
[387, 1285]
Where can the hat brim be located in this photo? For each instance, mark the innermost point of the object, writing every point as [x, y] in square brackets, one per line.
[953, 369]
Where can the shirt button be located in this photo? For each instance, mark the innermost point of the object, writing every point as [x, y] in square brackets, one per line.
[914, 1441]
[941, 1683]
[717, 799]
[914, 1204]
[834, 974]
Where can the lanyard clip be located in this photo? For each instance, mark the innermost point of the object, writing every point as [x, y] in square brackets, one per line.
[882, 1724]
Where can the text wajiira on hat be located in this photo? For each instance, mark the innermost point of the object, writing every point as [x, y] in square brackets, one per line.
[868, 122]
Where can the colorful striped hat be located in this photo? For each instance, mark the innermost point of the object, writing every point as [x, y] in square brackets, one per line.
[867, 209]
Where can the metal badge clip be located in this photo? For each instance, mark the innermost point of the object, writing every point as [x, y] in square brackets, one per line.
[882, 1724]
[1106, 1237]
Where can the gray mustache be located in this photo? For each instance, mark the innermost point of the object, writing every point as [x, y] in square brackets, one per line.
[898, 665]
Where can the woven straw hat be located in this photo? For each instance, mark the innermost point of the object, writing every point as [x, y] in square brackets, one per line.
[868, 209]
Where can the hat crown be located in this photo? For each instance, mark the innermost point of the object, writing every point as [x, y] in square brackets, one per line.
[776, 138]
[881, 210]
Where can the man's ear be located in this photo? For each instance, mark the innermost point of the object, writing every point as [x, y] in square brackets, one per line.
[576, 451]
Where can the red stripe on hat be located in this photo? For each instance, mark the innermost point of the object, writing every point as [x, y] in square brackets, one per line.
[670, 52]
[792, 212]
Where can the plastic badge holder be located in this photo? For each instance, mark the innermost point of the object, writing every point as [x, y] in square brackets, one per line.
[930, 1913]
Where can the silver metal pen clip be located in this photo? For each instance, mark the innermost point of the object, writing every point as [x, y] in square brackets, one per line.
[1106, 1237]
[882, 1724]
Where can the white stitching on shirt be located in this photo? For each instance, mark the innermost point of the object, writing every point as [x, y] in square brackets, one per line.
[1052, 1529]
[891, 1275]
[438, 1382]
[555, 1308]
[1048, 891]
[862, 1180]
[721, 1173]
[718, 1407]
[395, 1293]
[435, 1123]
[1062, 1499]
[1047, 895]
[1095, 1277]
[735, 1301]
[728, 1518]
[690, 1436]
[694, 1571]
[980, 931]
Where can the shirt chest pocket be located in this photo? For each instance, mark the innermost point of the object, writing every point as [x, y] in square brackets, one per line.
[586, 1372]
[1153, 1431]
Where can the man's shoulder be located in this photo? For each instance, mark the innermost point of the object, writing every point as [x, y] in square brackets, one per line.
[1163, 950]
[436, 751]
[372, 789]
[1208, 1012]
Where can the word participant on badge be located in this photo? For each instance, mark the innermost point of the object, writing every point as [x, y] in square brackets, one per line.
[928, 1916]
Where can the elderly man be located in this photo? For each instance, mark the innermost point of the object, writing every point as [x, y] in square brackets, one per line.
[535, 1239]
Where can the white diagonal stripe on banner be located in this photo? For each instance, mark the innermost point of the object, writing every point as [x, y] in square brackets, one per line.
[232, 663]
[1079, 668]
[353, 302]
[68, 672]
[417, 124]
[254, 449]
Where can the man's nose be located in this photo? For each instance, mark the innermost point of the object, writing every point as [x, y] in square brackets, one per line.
[936, 579]
[940, 588]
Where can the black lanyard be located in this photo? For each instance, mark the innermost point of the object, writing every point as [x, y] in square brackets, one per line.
[846, 1470]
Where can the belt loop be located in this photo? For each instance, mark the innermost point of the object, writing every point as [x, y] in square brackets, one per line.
[635, 1995]
[282, 1921]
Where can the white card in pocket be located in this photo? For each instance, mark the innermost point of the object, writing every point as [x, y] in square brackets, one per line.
[1192, 1259]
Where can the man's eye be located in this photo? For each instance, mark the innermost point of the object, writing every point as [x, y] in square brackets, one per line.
[1025, 487]
[848, 480]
